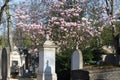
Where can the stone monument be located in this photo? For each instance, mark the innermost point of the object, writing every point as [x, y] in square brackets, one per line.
[15, 59]
[77, 60]
[46, 70]
[4, 64]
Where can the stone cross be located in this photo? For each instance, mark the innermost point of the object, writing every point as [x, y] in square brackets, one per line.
[77, 60]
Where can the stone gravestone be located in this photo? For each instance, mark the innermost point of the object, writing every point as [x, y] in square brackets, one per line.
[4, 64]
[46, 70]
[8, 76]
[15, 60]
[77, 60]
[8, 62]
[77, 72]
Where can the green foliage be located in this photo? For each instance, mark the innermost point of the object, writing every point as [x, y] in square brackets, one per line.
[87, 54]
[27, 42]
[63, 60]
[63, 64]
[2, 41]
[117, 24]
[106, 36]
[91, 55]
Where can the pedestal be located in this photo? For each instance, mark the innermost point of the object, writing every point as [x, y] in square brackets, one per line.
[47, 62]
[46, 76]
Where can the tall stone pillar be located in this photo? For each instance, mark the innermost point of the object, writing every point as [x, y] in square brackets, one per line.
[0, 62]
[46, 69]
[8, 61]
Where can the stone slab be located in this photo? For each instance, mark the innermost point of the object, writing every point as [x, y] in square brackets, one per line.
[77, 60]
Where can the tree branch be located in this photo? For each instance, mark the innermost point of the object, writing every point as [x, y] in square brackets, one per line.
[2, 9]
[107, 8]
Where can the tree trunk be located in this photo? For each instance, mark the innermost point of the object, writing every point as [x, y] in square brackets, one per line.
[5, 7]
[2, 9]
[9, 26]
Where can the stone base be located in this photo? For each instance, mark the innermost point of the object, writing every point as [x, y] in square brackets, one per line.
[79, 75]
[22, 79]
[0, 76]
[46, 76]
[105, 74]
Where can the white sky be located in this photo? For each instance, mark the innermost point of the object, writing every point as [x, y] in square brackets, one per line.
[14, 2]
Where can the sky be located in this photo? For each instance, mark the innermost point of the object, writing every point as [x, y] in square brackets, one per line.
[16, 2]
[11, 1]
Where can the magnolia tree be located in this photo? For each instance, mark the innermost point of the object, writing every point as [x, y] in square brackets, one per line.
[67, 25]
[30, 20]
[69, 22]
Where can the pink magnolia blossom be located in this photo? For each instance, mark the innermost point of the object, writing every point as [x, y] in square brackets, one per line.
[66, 22]
[76, 14]
[60, 3]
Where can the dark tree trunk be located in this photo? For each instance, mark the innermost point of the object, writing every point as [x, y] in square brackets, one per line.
[4, 64]
[5, 7]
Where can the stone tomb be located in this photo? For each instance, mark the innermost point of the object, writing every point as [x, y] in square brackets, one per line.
[15, 60]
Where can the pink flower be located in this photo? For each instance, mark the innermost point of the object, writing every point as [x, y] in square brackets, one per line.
[62, 28]
[91, 33]
[20, 24]
[65, 29]
[73, 24]
[64, 37]
[81, 38]
[78, 27]
[75, 14]
[61, 3]
[62, 14]
[22, 17]
[84, 19]
[54, 18]
[73, 35]
[57, 23]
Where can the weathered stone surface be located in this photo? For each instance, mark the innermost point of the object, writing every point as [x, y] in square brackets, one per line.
[77, 60]
[105, 74]
[15, 61]
[46, 70]
[15, 57]
[79, 75]
[98, 74]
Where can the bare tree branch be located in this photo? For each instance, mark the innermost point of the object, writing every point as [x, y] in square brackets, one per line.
[2, 9]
